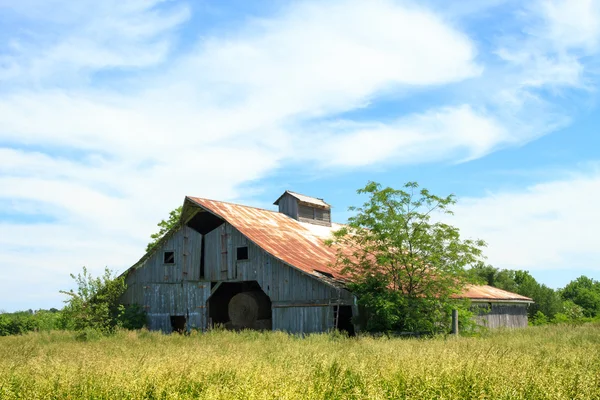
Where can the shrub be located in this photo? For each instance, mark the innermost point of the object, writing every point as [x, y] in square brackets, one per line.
[95, 304]
[539, 319]
[131, 316]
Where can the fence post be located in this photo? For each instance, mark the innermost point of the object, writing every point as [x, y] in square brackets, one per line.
[455, 322]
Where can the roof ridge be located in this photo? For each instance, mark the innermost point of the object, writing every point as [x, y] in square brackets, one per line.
[236, 204]
[305, 195]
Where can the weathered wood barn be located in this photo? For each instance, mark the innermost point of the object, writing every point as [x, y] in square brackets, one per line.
[246, 267]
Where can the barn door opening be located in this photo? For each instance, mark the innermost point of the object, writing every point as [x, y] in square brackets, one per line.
[240, 305]
[344, 319]
[178, 323]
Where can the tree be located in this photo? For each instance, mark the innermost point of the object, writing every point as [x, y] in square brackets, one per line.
[95, 304]
[165, 226]
[584, 292]
[404, 267]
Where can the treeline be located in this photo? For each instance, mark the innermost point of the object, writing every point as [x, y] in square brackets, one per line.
[92, 309]
[578, 301]
[25, 321]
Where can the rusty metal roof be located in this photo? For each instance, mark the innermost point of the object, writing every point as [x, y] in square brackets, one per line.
[279, 235]
[490, 293]
[302, 245]
[305, 199]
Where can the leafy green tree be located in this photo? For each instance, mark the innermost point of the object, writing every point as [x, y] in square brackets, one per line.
[95, 304]
[584, 292]
[403, 266]
[165, 226]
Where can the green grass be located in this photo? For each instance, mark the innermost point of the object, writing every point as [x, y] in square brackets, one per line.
[550, 362]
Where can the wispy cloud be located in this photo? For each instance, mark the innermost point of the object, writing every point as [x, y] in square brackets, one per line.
[106, 162]
[550, 225]
[66, 42]
[105, 124]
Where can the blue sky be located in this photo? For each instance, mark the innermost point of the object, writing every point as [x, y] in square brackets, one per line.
[111, 112]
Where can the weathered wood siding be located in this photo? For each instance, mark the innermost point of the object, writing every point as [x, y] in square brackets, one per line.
[170, 289]
[186, 244]
[219, 259]
[288, 205]
[301, 303]
[303, 319]
[279, 281]
[501, 315]
[163, 300]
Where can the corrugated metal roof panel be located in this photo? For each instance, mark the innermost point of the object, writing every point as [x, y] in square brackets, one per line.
[302, 245]
[485, 292]
[279, 235]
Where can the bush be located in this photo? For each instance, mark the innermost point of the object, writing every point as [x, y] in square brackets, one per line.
[20, 322]
[131, 316]
[95, 305]
[539, 319]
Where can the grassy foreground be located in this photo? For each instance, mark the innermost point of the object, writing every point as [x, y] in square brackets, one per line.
[554, 362]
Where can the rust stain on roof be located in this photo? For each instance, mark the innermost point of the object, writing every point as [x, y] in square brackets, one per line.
[279, 235]
[485, 292]
[302, 245]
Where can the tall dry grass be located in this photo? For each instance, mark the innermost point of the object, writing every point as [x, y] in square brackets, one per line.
[553, 362]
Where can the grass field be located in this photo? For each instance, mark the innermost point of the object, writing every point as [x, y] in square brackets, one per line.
[553, 362]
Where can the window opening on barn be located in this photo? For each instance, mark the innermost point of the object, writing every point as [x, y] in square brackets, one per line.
[202, 256]
[242, 253]
[178, 323]
[169, 257]
[317, 215]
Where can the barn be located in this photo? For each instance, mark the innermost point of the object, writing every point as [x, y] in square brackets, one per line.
[246, 267]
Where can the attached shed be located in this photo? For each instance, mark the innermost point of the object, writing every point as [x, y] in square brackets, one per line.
[497, 308]
[246, 267]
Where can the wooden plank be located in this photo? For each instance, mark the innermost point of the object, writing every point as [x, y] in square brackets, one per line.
[309, 303]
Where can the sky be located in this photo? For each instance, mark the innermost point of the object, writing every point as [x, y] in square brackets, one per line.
[111, 112]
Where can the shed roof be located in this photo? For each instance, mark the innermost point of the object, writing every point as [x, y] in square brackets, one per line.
[305, 199]
[490, 293]
[302, 245]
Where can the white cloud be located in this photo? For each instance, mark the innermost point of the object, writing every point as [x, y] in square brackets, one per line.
[571, 24]
[550, 225]
[106, 161]
[560, 34]
[453, 133]
[74, 39]
[106, 158]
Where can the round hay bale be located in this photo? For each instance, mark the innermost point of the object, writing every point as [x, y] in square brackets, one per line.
[263, 324]
[247, 307]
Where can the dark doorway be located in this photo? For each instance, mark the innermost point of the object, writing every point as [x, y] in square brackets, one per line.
[344, 319]
[227, 294]
[178, 323]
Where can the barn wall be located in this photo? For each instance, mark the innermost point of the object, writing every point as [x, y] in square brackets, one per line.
[501, 315]
[170, 289]
[301, 303]
[188, 299]
[218, 261]
[303, 319]
[186, 243]
[279, 281]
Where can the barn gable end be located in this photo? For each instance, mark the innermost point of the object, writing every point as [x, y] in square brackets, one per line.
[209, 264]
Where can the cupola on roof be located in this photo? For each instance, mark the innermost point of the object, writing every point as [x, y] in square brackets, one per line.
[305, 199]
